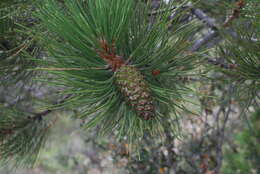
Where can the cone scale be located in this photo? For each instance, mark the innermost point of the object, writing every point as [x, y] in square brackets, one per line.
[131, 83]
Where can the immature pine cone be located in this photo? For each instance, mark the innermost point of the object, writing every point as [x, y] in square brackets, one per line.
[135, 90]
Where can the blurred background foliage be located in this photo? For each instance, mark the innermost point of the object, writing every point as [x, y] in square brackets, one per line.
[224, 138]
[243, 155]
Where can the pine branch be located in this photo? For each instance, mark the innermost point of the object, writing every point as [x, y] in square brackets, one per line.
[203, 41]
[210, 22]
[17, 128]
[220, 63]
[35, 117]
[39, 116]
[226, 109]
[236, 12]
[156, 4]
[215, 33]
[127, 95]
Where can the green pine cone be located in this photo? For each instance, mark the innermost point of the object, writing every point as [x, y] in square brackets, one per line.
[136, 91]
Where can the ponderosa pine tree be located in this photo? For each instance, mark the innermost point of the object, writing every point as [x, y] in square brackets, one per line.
[126, 67]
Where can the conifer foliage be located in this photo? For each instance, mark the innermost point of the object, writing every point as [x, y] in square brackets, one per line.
[124, 67]
[117, 51]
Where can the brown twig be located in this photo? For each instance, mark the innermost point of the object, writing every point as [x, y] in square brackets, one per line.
[236, 12]
[108, 53]
[23, 46]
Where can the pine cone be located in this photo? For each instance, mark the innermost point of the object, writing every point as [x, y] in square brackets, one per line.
[136, 91]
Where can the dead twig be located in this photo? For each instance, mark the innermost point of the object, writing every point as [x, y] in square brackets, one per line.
[235, 13]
